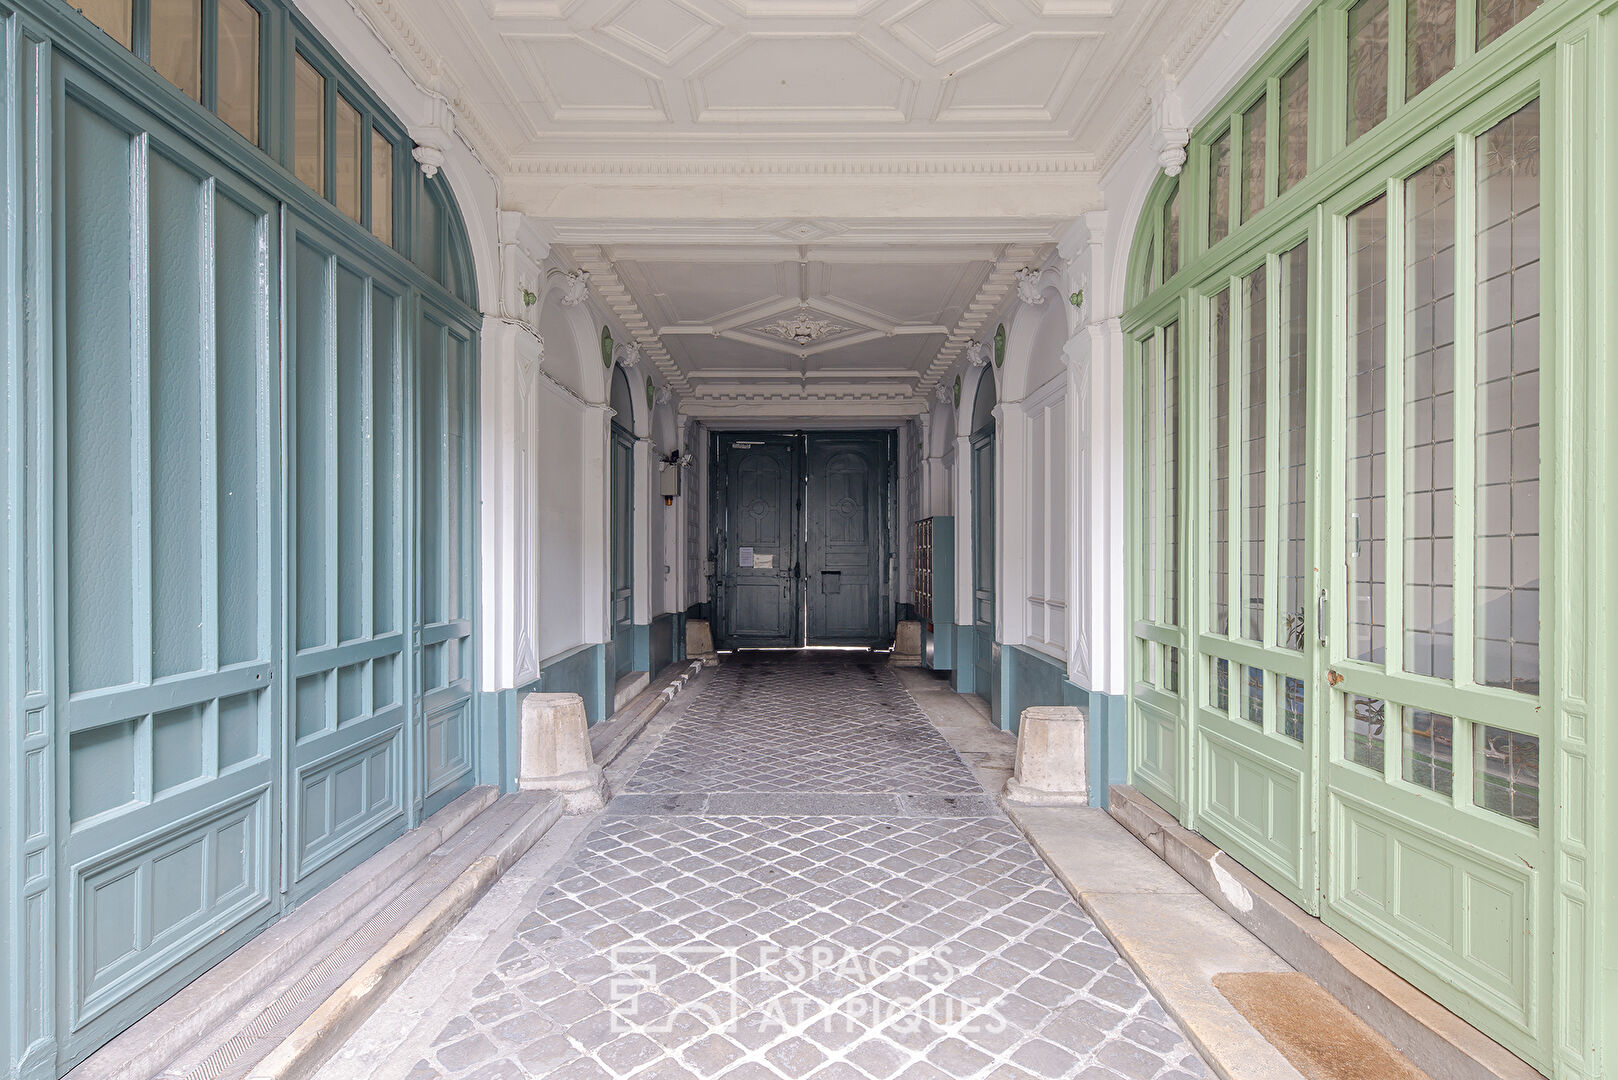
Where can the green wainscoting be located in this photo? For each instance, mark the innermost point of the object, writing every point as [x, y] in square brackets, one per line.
[1369, 383]
[239, 457]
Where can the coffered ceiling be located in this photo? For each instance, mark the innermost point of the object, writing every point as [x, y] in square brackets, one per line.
[579, 84]
[798, 208]
[841, 326]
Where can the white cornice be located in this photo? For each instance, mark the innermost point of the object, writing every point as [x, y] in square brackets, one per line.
[753, 165]
[614, 295]
[996, 287]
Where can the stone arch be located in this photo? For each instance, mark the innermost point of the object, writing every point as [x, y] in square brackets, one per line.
[1036, 336]
[572, 345]
[979, 394]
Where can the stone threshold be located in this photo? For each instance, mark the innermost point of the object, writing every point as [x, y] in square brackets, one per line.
[1433, 1038]
[282, 1003]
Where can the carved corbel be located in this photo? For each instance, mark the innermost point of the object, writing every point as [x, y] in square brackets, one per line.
[1172, 131]
[629, 354]
[432, 136]
[977, 353]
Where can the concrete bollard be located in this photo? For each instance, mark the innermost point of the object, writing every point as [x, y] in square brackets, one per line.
[699, 642]
[907, 644]
[1051, 759]
[554, 752]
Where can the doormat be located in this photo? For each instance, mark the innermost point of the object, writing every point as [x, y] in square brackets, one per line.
[1313, 1030]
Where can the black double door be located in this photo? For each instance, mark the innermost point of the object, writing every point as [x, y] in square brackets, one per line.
[802, 546]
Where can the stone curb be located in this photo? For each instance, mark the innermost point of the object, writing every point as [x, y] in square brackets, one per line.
[1230, 1046]
[313, 1041]
[154, 1041]
[643, 709]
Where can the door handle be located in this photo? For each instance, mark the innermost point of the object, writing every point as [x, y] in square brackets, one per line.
[1320, 617]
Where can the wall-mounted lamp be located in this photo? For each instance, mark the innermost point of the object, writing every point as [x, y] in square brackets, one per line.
[669, 477]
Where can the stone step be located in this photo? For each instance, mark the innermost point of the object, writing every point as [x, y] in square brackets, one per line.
[280, 1004]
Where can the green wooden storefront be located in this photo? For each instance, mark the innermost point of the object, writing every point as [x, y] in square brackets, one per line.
[1372, 559]
[240, 441]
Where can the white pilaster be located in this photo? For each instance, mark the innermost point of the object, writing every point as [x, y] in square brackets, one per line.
[645, 583]
[593, 451]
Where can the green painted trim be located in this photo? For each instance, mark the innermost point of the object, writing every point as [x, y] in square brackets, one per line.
[1558, 54]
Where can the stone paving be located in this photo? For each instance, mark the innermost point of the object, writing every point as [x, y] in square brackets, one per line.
[806, 937]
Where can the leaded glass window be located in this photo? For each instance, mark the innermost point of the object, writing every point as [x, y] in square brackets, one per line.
[238, 67]
[1429, 43]
[1292, 145]
[1495, 17]
[1253, 139]
[1171, 233]
[309, 124]
[1294, 448]
[1507, 556]
[1219, 189]
[1219, 466]
[1256, 430]
[1367, 430]
[1367, 66]
[1429, 421]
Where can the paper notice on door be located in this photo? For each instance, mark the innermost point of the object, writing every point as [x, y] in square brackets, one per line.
[746, 557]
[764, 562]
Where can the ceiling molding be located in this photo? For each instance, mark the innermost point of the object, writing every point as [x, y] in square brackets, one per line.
[614, 296]
[972, 326]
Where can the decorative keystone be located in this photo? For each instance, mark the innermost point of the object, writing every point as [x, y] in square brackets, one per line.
[1051, 758]
[554, 752]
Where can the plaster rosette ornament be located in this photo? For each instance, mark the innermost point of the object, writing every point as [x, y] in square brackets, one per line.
[576, 288]
[1172, 131]
[804, 327]
[941, 392]
[977, 353]
[630, 357]
[663, 395]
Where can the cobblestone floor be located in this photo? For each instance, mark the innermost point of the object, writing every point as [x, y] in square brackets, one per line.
[800, 935]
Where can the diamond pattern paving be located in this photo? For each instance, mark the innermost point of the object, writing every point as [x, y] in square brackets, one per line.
[824, 946]
[816, 722]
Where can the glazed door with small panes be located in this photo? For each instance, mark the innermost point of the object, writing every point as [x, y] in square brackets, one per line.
[1257, 659]
[1433, 721]
[1344, 693]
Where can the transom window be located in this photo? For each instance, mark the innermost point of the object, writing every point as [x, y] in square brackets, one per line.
[216, 53]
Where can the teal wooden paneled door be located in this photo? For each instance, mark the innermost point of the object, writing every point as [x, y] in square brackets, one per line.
[446, 490]
[166, 615]
[758, 542]
[847, 528]
[621, 483]
[346, 646]
[983, 563]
